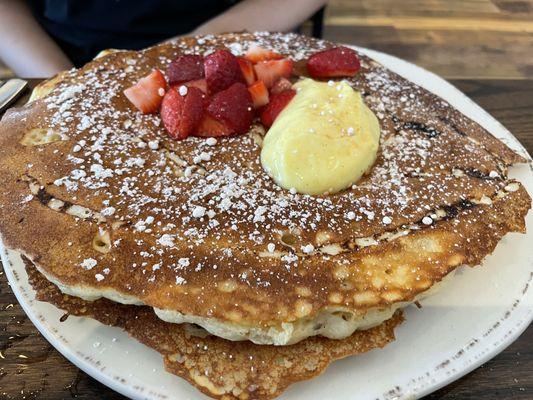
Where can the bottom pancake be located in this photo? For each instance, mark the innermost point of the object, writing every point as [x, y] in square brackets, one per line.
[218, 367]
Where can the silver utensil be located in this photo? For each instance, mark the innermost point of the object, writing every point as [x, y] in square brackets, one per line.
[10, 91]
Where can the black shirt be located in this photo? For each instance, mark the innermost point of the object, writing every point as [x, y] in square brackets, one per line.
[82, 28]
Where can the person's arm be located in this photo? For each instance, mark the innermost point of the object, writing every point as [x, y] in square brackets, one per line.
[262, 15]
[24, 46]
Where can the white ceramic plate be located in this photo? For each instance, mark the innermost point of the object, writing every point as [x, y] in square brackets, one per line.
[471, 320]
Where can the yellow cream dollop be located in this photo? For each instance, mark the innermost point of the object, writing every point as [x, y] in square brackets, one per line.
[323, 141]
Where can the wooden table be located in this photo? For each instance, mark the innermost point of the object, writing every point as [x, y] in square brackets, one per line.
[30, 368]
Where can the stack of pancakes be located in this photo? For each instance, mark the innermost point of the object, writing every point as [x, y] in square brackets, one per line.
[191, 247]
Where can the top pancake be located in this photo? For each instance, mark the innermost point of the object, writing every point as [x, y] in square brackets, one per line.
[104, 204]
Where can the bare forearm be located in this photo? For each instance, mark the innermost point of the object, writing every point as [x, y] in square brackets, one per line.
[24, 46]
[262, 15]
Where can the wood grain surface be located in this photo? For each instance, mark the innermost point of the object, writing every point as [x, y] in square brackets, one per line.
[30, 368]
[453, 38]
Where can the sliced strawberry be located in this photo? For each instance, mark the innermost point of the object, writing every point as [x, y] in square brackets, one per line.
[270, 71]
[281, 85]
[184, 68]
[199, 83]
[256, 53]
[259, 93]
[148, 92]
[332, 63]
[233, 107]
[210, 127]
[221, 71]
[247, 69]
[182, 114]
[277, 103]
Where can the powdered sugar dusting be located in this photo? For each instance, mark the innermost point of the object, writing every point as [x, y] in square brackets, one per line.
[178, 198]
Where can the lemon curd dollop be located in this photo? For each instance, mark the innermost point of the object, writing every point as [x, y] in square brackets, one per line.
[324, 140]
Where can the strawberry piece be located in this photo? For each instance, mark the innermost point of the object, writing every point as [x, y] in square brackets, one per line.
[336, 62]
[182, 114]
[185, 68]
[148, 92]
[221, 71]
[247, 69]
[198, 83]
[210, 127]
[270, 71]
[233, 107]
[277, 103]
[259, 93]
[256, 53]
[281, 85]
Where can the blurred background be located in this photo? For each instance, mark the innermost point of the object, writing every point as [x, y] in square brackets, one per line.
[454, 38]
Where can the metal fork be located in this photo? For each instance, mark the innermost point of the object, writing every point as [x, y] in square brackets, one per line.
[10, 91]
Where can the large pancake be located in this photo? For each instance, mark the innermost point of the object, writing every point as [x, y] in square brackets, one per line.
[219, 368]
[101, 199]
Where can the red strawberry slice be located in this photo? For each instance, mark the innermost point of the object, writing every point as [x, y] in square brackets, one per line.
[148, 92]
[233, 107]
[210, 127]
[256, 53]
[277, 103]
[199, 83]
[281, 85]
[259, 93]
[333, 63]
[184, 68]
[270, 71]
[247, 69]
[221, 71]
[182, 114]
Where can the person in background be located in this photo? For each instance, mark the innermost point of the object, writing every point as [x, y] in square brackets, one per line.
[39, 38]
